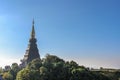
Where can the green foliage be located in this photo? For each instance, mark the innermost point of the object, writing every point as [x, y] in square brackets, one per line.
[35, 64]
[1, 70]
[27, 74]
[14, 70]
[7, 76]
[11, 74]
[111, 75]
[53, 68]
[44, 73]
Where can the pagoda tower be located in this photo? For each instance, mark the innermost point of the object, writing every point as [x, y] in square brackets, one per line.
[32, 50]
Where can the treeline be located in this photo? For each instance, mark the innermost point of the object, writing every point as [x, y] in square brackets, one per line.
[52, 68]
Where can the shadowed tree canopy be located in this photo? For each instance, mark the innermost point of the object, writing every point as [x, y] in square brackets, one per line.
[54, 68]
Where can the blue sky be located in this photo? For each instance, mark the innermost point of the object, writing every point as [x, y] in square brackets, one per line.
[87, 31]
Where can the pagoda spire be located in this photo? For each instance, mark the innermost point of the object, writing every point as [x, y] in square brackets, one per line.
[33, 30]
[32, 51]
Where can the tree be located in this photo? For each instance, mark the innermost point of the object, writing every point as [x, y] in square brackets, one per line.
[53, 68]
[7, 76]
[35, 64]
[44, 73]
[14, 70]
[1, 70]
[31, 72]
[27, 74]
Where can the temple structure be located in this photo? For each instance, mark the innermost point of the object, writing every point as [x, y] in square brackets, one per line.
[32, 50]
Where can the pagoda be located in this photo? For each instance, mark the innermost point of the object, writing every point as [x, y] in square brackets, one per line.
[32, 51]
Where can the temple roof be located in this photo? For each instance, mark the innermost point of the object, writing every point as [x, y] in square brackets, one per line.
[33, 30]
